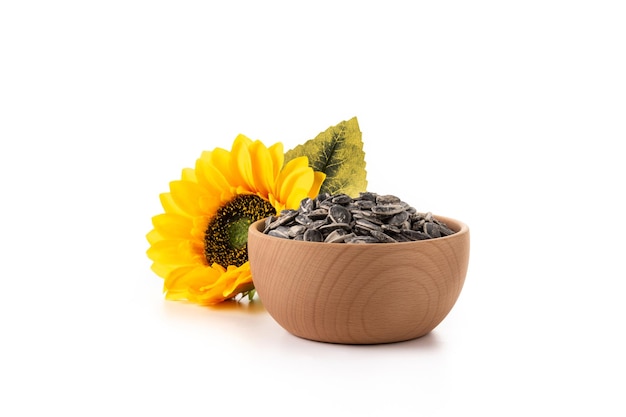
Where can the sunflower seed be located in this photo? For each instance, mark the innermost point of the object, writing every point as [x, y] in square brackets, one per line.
[402, 238]
[382, 237]
[279, 232]
[297, 229]
[418, 224]
[303, 219]
[327, 228]
[339, 214]
[323, 197]
[326, 204]
[367, 196]
[388, 209]
[445, 230]
[336, 236]
[286, 216]
[341, 199]
[432, 229]
[367, 215]
[362, 239]
[387, 199]
[316, 224]
[366, 224]
[268, 223]
[399, 218]
[415, 235]
[365, 204]
[307, 205]
[390, 228]
[313, 235]
[318, 214]
[369, 218]
[361, 231]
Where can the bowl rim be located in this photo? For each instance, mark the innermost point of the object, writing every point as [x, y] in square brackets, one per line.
[255, 228]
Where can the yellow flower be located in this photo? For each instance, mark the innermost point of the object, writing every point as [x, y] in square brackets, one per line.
[199, 244]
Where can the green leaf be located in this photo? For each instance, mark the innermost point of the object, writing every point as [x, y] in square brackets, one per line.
[337, 152]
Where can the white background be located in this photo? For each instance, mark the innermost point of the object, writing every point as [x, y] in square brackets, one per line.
[509, 116]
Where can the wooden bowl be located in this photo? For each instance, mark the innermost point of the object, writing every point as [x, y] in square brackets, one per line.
[359, 293]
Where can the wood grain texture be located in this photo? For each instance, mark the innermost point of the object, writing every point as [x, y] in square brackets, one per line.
[359, 293]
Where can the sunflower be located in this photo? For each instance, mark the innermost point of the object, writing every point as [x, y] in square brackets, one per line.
[199, 244]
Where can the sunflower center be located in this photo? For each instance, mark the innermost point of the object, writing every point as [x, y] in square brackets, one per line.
[226, 237]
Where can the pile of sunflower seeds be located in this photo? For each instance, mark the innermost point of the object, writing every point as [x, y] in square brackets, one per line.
[369, 218]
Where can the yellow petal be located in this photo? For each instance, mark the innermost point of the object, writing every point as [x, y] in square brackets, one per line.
[287, 170]
[203, 177]
[175, 295]
[209, 177]
[210, 204]
[278, 158]
[209, 289]
[175, 252]
[189, 175]
[300, 187]
[198, 230]
[169, 205]
[240, 169]
[218, 169]
[187, 196]
[295, 177]
[173, 226]
[262, 169]
[239, 278]
[180, 279]
[317, 184]
[154, 236]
